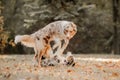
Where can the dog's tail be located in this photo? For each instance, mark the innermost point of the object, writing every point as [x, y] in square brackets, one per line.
[26, 40]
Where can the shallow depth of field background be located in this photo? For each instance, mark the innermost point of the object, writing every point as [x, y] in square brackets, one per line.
[98, 23]
[95, 47]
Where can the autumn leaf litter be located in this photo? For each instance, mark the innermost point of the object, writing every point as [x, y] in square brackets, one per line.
[87, 67]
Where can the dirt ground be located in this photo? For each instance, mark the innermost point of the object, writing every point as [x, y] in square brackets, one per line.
[88, 67]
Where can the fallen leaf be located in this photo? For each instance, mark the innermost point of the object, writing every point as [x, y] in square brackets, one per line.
[98, 66]
[16, 65]
[69, 71]
[115, 74]
[28, 78]
[7, 68]
[18, 69]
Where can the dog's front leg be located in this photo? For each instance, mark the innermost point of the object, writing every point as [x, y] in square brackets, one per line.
[65, 44]
[57, 45]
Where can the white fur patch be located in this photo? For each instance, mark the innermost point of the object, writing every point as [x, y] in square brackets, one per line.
[17, 39]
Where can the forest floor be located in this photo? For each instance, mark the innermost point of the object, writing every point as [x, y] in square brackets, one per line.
[88, 67]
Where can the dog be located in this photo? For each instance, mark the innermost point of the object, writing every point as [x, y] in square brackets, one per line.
[59, 60]
[53, 61]
[40, 40]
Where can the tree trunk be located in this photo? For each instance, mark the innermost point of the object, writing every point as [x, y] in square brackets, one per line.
[115, 21]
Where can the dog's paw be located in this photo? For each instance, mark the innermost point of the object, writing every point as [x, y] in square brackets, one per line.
[70, 59]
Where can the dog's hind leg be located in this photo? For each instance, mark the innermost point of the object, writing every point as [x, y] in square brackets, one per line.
[48, 51]
[40, 54]
[36, 53]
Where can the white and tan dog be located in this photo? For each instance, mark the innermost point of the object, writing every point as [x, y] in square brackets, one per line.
[67, 60]
[40, 40]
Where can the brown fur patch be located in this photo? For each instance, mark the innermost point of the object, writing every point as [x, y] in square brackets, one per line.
[46, 50]
[46, 40]
[37, 38]
[48, 37]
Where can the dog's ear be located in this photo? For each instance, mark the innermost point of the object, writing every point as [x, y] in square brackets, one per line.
[73, 25]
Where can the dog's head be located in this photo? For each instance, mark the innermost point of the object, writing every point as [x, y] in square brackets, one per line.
[60, 59]
[70, 30]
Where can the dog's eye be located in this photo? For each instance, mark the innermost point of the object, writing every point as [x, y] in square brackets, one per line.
[65, 31]
[74, 30]
[71, 31]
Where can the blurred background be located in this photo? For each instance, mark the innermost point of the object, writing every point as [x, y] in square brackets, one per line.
[98, 23]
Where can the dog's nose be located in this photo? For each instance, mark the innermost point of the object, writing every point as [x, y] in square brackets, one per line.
[65, 61]
[68, 38]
